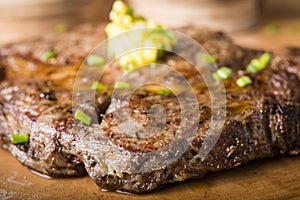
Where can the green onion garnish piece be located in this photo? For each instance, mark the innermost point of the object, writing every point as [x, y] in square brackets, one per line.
[216, 76]
[60, 28]
[164, 91]
[255, 62]
[122, 85]
[19, 138]
[48, 55]
[130, 11]
[244, 81]
[84, 118]
[98, 86]
[265, 59]
[272, 29]
[208, 58]
[222, 73]
[251, 68]
[254, 65]
[95, 60]
[259, 64]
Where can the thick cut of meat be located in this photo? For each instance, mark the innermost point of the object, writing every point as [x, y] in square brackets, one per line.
[37, 109]
[36, 98]
[262, 120]
[47, 116]
[35, 91]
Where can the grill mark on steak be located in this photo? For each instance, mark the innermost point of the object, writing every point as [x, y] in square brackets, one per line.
[262, 120]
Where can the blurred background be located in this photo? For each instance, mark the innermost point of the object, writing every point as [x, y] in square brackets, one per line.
[248, 21]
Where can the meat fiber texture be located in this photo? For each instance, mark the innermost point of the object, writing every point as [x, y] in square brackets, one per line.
[261, 120]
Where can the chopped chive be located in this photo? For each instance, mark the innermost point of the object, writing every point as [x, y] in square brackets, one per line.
[259, 64]
[164, 91]
[255, 62]
[122, 85]
[84, 118]
[265, 59]
[216, 76]
[251, 68]
[244, 81]
[48, 55]
[19, 138]
[208, 58]
[272, 29]
[60, 28]
[130, 11]
[98, 86]
[222, 73]
[95, 60]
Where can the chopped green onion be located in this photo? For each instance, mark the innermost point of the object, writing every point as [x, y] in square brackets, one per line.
[48, 55]
[95, 60]
[19, 138]
[84, 118]
[60, 28]
[244, 81]
[259, 64]
[98, 86]
[255, 62]
[130, 11]
[222, 73]
[251, 68]
[265, 58]
[122, 85]
[164, 91]
[208, 58]
[216, 76]
[254, 65]
[272, 29]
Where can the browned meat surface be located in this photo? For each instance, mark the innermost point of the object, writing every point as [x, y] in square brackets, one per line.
[262, 120]
[36, 98]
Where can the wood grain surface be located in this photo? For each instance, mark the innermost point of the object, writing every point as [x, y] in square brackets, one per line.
[276, 178]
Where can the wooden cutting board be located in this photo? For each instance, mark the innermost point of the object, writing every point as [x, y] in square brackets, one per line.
[275, 178]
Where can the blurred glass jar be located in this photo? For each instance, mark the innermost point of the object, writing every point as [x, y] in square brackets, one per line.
[28, 19]
[228, 15]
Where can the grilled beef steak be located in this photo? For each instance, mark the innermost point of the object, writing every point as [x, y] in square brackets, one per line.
[36, 98]
[262, 120]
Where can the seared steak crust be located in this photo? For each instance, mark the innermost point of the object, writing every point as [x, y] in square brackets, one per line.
[36, 99]
[47, 116]
[262, 120]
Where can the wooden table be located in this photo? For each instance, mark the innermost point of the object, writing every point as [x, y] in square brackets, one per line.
[276, 178]
[259, 36]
